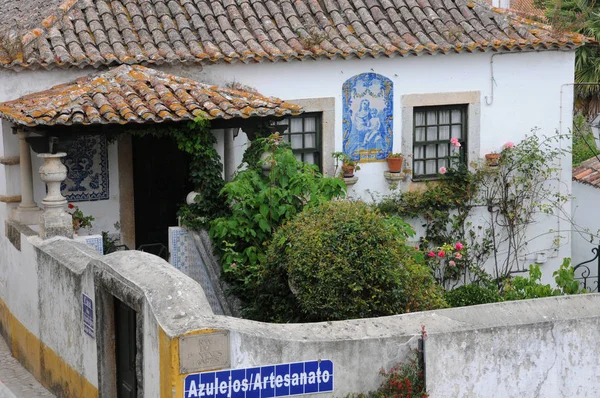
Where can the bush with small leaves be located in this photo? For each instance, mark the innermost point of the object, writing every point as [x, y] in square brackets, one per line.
[471, 294]
[344, 260]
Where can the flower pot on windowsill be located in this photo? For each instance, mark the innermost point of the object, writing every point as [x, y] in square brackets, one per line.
[492, 159]
[395, 164]
[348, 170]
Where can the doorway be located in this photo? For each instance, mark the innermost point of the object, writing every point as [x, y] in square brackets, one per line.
[160, 185]
[125, 349]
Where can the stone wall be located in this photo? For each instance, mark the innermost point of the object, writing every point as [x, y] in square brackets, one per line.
[543, 348]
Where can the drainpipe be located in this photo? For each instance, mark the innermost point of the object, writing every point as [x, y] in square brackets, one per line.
[490, 100]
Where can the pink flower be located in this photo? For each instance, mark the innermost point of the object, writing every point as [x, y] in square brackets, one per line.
[443, 170]
[451, 263]
[441, 253]
[431, 254]
[458, 256]
[458, 246]
[509, 144]
[454, 141]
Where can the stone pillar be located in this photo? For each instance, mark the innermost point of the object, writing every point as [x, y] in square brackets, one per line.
[55, 221]
[228, 155]
[27, 212]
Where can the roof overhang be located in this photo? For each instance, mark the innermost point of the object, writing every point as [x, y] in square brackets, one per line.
[134, 95]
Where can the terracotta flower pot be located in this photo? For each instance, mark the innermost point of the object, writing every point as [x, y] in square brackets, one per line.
[492, 159]
[348, 170]
[395, 164]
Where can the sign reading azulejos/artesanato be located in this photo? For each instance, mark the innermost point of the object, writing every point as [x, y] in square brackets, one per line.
[262, 382]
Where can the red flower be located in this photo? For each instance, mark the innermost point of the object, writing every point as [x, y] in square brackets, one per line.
[441, 253]
[71, 206]
[431, 254]
[458, 246]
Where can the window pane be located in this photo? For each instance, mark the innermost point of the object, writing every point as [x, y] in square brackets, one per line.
[432, 133]
[444, 133]
[310, 141]
[296, 125]
[296, 141]
[435, 126]
[431, 118]
[419, 168]
[430, 151]
[456, 116]
[310, 124]
[456, 131]
[445, 117]
[442, 150]
[298, 156]
[430, 167]
[302, 134]
[419, 152]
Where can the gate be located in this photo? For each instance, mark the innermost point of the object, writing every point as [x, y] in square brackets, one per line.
[587, 280]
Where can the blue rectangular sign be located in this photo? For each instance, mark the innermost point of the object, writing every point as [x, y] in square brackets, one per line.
[88, 316]
[262, 382]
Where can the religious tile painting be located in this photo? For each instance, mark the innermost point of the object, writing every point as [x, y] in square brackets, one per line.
[368, 116]
[87, 165]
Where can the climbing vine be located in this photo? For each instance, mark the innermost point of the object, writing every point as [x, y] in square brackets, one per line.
[205, 169]
[488, 209]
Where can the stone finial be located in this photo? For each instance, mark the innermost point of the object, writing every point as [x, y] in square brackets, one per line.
[54, 221]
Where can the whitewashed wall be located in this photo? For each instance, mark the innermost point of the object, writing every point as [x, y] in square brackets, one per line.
[532, 90]
[587, 219]
[526, 94]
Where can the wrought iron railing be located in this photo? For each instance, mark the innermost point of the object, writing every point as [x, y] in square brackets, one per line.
[587, 280]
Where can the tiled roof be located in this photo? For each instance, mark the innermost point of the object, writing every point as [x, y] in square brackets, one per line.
[136, 94]
[588, 172]
[524, 8]
[101, 32]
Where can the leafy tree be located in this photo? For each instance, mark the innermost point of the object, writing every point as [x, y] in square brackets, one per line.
[261, 198]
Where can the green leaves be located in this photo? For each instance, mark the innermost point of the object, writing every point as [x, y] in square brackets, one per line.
[341, 260]
[259, 204]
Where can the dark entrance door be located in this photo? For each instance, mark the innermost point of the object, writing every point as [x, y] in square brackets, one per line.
[125, 330]
[160, 184]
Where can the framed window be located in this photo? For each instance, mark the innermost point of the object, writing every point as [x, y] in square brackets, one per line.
[433, 127]
[304, 135]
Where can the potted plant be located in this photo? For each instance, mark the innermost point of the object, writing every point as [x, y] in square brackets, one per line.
[79, 220]
[492, 158]
[394, 161]
[348, 166]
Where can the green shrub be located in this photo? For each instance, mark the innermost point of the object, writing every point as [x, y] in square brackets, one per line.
[471, 294]
[258, 205]
[521, 287]
[344, 260]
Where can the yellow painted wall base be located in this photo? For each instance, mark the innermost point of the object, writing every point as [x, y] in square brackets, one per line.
[41, 361]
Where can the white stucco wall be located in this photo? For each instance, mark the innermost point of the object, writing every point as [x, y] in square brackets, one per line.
[526, 94]
[530, 91]
[586, 219]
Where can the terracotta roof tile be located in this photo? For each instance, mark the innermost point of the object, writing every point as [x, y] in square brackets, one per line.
[136, 94]
[588, 172]
[104, 32]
